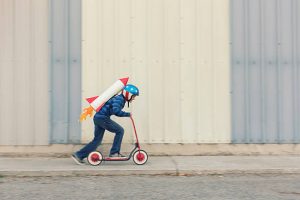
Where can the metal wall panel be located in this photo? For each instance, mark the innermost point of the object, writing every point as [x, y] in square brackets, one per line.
[24, 72]
[65, 65]
[265, 71]
[177, 52]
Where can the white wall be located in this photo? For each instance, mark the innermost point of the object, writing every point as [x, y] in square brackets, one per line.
[176, 51]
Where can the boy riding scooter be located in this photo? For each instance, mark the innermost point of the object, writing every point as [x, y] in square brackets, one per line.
[103, 122]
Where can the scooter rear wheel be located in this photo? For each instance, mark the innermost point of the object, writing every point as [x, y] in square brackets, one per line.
[95, 158]
[140, 157]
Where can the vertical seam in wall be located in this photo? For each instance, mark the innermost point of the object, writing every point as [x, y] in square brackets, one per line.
[3, 59]
[297, 72]
[197, 139]
[163, 69]
[102, 44]
[293, 69]
[69, 68]
[114, 37]
[79, 132]
[13, 59]
[50, 65]
[179, 68]
[118, 59]
[99, 67]
[130, 35]
[246, 71]
[131, 61]
[32, 70]
[249, 83]
[262, 66]
[213, 77]
[232, 96]
[296, 82]
[266, 63]
[65, 71]
[243, 61]
[278, 70]
[82, 61]
[147, 66]
[83, 45]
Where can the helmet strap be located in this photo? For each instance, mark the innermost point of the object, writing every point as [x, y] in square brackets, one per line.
[126, 95]
[129, 100]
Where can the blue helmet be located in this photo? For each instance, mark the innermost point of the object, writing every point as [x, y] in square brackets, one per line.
[130, 91]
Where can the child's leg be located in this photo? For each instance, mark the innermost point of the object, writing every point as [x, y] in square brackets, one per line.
[92, 146]
[116, 147]
[114, 127]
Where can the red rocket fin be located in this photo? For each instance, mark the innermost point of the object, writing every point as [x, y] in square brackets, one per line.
[97, 110]
[91, 99]
[124, 80]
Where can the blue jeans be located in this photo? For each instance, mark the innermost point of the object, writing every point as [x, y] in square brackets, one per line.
[103, 123]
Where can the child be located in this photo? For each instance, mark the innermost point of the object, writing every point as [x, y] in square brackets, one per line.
[103, 122]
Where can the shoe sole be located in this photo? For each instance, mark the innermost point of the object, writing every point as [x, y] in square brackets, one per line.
[77, 162]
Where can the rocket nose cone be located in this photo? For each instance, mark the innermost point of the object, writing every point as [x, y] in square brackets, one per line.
[124, 80]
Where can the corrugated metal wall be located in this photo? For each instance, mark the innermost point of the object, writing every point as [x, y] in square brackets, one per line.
[24, 72]
[177, 52]
[265, 71]
[65, 70]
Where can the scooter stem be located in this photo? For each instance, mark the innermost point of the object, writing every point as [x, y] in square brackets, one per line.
[137, 140]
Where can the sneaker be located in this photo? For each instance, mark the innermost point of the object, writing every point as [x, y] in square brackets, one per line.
[77, 159]
[117, 155]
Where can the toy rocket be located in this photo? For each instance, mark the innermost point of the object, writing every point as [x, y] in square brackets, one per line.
[97, 102]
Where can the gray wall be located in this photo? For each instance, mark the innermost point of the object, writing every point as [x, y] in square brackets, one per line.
[65, 70]
[24, 72]
[265, 64]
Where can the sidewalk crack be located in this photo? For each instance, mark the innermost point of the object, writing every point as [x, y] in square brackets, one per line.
[176, 165]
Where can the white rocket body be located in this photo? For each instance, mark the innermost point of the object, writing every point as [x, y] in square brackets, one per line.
[98, 101]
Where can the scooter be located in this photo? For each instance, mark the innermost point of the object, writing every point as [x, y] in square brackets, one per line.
[140, 157]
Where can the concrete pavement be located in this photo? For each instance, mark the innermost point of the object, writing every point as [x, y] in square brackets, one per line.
[156, 165]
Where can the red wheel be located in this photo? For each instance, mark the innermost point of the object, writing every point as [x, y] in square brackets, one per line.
[140, 157]
[95, 158]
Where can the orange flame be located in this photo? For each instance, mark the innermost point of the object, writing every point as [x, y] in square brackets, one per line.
[86, 111]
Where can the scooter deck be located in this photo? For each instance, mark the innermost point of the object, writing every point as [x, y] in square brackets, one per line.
[116, 158]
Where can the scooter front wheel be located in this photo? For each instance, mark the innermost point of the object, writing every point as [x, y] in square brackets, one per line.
[95, 158]
[140, 157]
